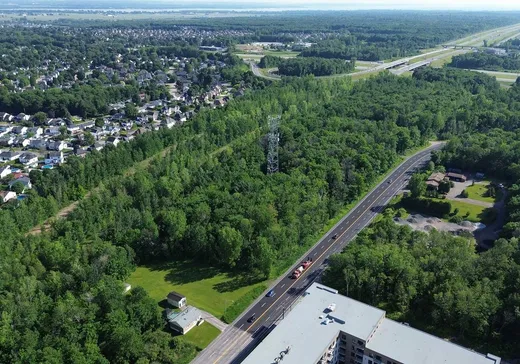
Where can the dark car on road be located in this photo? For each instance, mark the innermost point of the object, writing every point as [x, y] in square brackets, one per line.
[252, 318]
[335, 236]
[270, 293]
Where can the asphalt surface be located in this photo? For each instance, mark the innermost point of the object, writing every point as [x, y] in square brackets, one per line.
[241, 337]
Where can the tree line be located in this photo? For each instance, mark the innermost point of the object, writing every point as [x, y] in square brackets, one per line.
[485, 61]
[307, 66]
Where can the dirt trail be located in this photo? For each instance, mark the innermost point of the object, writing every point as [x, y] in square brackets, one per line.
[65, 211]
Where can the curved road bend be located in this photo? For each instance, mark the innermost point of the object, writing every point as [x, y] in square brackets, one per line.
[227, 347]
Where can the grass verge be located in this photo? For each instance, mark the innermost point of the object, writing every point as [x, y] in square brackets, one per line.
[237, 307]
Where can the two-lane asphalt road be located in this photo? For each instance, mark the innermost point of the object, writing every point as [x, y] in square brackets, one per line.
[231, 345]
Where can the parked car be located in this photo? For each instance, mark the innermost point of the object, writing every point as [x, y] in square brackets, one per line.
[270, 293]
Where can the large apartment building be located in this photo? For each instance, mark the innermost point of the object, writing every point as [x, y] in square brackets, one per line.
[328, 328]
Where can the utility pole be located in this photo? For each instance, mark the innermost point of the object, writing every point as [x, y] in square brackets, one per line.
[273, 139]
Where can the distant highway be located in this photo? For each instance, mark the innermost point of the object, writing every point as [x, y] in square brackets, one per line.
[229, 346]
[472, 40]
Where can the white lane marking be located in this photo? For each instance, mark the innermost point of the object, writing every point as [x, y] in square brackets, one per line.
[262, 305]
[241, 326]
[283, 285]
[314, 253]
[267, 319]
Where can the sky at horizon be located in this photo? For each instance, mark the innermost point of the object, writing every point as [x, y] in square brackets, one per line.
[469, 5]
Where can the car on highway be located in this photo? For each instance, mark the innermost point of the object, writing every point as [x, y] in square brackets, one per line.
[252, 318]
[389, 181]
[270, 293]
[335, 236]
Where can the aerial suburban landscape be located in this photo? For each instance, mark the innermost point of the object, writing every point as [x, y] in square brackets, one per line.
[239, 182]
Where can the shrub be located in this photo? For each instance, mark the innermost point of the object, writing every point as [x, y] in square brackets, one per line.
[456, 219]
[427, 206]
[464, 194]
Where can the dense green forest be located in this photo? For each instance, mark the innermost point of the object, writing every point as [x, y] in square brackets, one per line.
[209, 197]
[436, 282]
[307, 66]
[480, 60]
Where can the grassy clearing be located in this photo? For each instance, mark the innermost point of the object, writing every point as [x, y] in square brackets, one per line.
[366, 63]
[284, 54]
[479, 192]
[466, 210]
[202, 335]
[205, 287]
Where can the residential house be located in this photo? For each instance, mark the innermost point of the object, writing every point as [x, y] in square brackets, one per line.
[186, 320]
[20, 130]
[113, 141]
[5, 129]
[73, 129]
[5, 171]
[5, 116]
[35, 131]
[81, 153]
[168, 123]
[22, 117]
[97, 146]
[179, 117]
[456, 177]
[117, 117]
[6, 141]
[9, 156]
[154, 115]
[57, 145]
[25, 181]
[87, 124]
[53, 131]
[28, 159]
[7, 195]
[38, 143]
[54, 158]
[176, 299]
[21, 142]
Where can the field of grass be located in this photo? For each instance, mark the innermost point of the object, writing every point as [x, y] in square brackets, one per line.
[205, 287]
[202, 335]
[478, 192]
[284, 54]
[466, 210]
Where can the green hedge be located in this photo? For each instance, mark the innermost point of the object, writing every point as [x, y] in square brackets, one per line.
[427, 206]
[241, 304]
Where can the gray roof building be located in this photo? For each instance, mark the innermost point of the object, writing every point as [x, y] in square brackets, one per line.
[325, 327]
[186, 320]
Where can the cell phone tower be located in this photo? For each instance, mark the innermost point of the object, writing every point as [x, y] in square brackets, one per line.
[273, 139]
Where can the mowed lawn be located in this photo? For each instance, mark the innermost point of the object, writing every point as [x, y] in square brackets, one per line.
[204, 287]
[478, 192]
[202, 335]
[467, 211]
